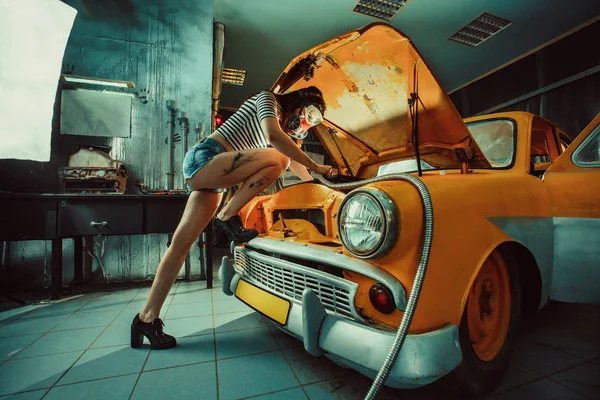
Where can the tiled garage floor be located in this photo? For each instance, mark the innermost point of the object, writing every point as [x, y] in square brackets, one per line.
[79, 349]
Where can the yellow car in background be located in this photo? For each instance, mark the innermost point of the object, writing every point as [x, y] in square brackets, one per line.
[453, 228]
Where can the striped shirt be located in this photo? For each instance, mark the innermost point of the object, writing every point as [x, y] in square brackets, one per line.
[242, 130]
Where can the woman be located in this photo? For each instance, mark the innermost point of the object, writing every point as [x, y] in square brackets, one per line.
[238, 152]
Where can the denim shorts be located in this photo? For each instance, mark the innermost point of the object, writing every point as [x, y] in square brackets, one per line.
[199, 155]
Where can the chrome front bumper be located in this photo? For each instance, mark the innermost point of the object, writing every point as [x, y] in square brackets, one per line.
[424, 358]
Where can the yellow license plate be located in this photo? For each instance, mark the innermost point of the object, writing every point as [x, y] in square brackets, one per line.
[264, 302]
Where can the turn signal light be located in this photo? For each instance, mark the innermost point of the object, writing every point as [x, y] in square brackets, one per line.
[382, 299]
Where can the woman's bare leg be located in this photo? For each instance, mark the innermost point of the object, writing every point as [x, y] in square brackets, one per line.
[256, 169]
[250, 189]
[234, 167]
[199, 210]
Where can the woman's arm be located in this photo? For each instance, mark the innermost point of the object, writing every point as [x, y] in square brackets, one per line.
[300, 171]
[286, 145]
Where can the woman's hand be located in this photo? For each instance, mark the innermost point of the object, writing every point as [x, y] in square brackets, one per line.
[321, 169]
[285, 145]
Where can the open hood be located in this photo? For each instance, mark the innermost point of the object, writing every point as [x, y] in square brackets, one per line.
[367, 77]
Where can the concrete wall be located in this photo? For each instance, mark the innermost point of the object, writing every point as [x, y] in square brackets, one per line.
[571, 105]
[165, 47]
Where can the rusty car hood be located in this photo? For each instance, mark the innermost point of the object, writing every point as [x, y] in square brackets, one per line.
[367, 77]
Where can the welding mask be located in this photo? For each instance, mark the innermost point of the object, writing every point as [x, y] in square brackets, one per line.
[297, 125]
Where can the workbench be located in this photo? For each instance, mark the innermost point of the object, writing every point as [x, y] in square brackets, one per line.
[60, 216]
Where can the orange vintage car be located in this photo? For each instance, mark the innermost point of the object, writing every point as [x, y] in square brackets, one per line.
[415, 263]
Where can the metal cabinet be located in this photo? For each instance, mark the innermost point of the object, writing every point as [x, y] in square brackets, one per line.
[163, 215]
[27, 218]
[83, 217]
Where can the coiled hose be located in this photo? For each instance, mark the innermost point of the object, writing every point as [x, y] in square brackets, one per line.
[419, 276]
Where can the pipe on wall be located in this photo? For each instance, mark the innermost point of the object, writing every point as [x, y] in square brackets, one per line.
[172, 113]
[219, 46]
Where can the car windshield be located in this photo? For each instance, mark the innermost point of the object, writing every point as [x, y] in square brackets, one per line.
[409, 165]
[496, 139]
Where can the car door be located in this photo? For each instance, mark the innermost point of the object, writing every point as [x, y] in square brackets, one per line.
[574, 185]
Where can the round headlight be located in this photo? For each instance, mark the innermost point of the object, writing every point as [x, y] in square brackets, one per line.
[367, 223]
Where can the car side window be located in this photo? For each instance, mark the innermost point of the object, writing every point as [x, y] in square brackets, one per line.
[496, 139]
[539, 147]
[588, 153]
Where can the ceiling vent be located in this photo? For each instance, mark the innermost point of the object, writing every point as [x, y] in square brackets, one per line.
[480, 29]
[234, 76]
[381, 9]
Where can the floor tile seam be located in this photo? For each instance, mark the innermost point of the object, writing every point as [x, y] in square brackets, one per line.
[125, 344]
[44, 334]
[570, 388]
[47, 389]
[178, 366]
[46, 394]
[246, 355]
[74, 310]
[92, 380]
[139, 374]
[176, 284]
[538, 378]
[537, 341]
[26, 347]
[321, 381]
[53, 326]
[167, 318]
[238, 311]
[247, 329]
[275, 391]
[92, 326]
[175, 298]
[45, 355]
[13, 319]
[288, 362]
[274, 338]
[212, 308]
[238, 329]
[86, 350]
[66, 371]
[213, 314]
[69, 313]
[169, 303]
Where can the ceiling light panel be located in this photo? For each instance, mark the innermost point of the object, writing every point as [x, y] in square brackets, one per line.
[480, 29]
[380, 9]
[234, 76]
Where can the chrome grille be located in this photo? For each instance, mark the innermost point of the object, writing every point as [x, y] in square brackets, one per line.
[290, 280]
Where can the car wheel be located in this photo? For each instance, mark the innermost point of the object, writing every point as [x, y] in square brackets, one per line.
[488, 326]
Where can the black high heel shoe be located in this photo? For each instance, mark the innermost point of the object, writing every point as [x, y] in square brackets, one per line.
[153, 331]
[234, 229]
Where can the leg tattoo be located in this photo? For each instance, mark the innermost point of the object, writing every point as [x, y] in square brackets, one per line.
[258, 183]
[237, 161]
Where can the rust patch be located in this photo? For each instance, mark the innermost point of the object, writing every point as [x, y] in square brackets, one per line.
[371, 104]
[350, 85]
[331, 60]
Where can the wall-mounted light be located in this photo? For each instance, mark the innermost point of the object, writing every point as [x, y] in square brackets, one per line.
[96, 81]
[234, 76]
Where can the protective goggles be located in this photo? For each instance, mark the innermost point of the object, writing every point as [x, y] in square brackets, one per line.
[298, 125]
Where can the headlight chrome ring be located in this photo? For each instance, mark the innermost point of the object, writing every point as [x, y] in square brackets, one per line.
[390, 224]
